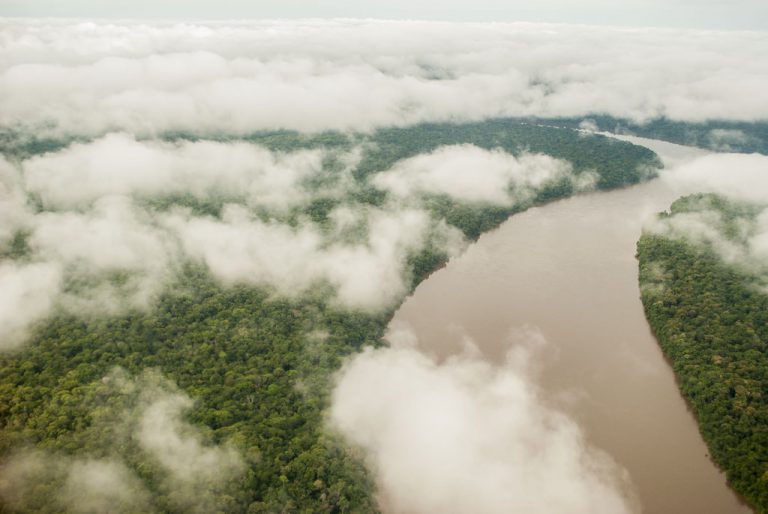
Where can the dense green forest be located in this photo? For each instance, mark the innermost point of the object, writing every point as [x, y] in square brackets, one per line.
[512, 134]
[257, 366]
[711, 320]
[717, 135]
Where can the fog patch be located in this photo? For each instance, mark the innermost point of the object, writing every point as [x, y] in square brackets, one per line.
[112, 241]
[96, 486]
[14, 211]
[723, 139]
[135, 416]
[736, 176]
[738, 238]
[103, 227]
[85, 486]
[466, 436]
[193, 471]
[27, 295]
[471, 174]
[367, 274]
[118, 164]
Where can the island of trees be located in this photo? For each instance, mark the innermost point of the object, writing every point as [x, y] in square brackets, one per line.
[708, 308]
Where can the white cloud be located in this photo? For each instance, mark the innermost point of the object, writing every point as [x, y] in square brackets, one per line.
[471, 174]
[27, 294]
[465, 436]
[119, 164]
[193, 470]
[95, 486]
[746, 246]
[14, 211]
[147, 410]
[114, 237]
[367, 275]
[737, 176]
[238, 77]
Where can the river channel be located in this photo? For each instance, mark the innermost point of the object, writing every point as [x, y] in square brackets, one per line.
[568, 270]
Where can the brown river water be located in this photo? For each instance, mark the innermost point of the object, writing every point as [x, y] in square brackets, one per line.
[569, 270]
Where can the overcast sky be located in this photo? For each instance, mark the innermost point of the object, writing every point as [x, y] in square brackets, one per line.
[711, 14]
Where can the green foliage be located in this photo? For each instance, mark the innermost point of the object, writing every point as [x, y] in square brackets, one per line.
[260, 377]
[719, 135]
[712, 323]
[616, 162]
[259, 367]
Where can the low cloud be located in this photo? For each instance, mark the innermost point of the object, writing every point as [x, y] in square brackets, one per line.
[27, 295]
[95, 486]
[465, 436]
[99, 228]
[473, 175]
[70, 77]
[741, 240]
[34, 480]
[193, 471]
[143, 414]
[118, 164]
[736, 176]
[367, 274]
[14, 210]
[114, 239]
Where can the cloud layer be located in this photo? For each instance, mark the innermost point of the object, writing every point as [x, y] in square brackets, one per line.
[66, 78]
[465, 436]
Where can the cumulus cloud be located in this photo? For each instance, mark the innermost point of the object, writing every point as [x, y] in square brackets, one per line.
[14, 211]
[465, 436]
[740, 240]
[193, 471]
[366, 274]
[36, 480]
[474, 175]
[119, 164]
[27, 294]
[110, 239]
[95, 486]
[70, 77]
[736, 176]
[100, 229]
[142, 413]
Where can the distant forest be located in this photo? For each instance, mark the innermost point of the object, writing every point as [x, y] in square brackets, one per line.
[244, 368]
[710, 317]
[716, 135]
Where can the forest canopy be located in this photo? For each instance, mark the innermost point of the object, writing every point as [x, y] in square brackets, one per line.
[703, 278]
[204, 291]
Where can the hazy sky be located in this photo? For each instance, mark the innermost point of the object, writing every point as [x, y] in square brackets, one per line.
[721, 14]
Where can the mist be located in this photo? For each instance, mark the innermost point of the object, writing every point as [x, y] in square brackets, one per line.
[474, 175]
[739, 178]
[467, 436]
[144, 414]
[118, 164]
[104, 227]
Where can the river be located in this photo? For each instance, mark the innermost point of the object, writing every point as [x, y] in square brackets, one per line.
[569, 270]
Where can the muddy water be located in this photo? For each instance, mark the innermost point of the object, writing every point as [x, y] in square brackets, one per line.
[568, 269]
